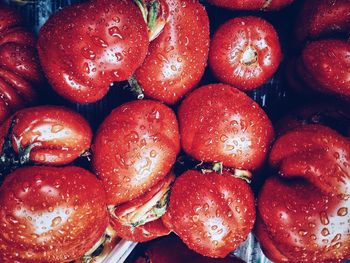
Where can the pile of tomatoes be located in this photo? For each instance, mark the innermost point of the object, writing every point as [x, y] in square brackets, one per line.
[180, 157]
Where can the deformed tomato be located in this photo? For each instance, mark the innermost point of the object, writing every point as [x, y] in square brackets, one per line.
[177, 58]
[85, 47]
[304, 212]
[212, 213]
[134, 148]
[49, 135]
[50, 214]
[219, 123]
[245, 52]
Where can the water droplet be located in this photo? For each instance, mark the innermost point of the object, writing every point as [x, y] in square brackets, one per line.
[336, 238]
[88, 53]
[325, 232]
[56, 128]
[223, 138]
[153, 154]
[100, 42]
[214, 227]
[324, 218]
[56, 221]
[343, 211]
[119, 56]
[114, 31]
[195, 218]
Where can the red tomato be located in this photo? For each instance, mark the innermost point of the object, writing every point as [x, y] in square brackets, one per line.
[219, 123]
[50, 214]
[19, 63]
[48, 135]
[85, 47]
[134, 148]
[267, 5]
[304, 210]
[321, 17]
[171, 250]
[212, 213]
[245, 52]
[177, 58]
[327, 66]
[139, 219]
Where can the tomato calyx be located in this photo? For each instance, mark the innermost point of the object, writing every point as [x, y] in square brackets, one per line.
[136, 88]
[141, 213]
[102, 247]
[155, 14]
[249, 56]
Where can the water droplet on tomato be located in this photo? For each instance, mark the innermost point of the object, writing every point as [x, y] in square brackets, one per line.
[343, 211]
[325, 232]
[114, 31]
[88, 53]
[324, 218]
[56, 128]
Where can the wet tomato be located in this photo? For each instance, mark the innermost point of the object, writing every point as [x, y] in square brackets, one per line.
[322, 17]
[139, 219]
[212, 213]
[327, 66]
[134, 148]
[177, 58]
[245, 52]
[171, 250]
[219, 123]
[267, 5]
[48, 135]
[19, 63]
[50, 214]
[304, 211]
[86, 47]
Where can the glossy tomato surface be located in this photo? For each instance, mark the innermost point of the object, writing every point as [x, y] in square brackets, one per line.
[85, 47]
[212, 213]
[53, 135]
[252, 4]
[19, 64]
[50, 214]
[304, 211]
[134, 148]
[245, 52]
[219, 123]
[177, 58]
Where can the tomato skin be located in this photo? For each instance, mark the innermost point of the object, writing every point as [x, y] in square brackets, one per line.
[211, 213]
[177, 58]
[19, 63]
[327, 66]
[134, 148]
[245, 52]
[171, 250]
[60, 135]
[240, 138]
[50, 214]
[304, 210]
[86, 47]
[252, 4]
[321, 17]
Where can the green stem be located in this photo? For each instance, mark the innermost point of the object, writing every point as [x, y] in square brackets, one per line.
[136, 88]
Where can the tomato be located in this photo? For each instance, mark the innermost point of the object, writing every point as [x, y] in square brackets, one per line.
[219, 123]
[19, 64]
[321, 17]
[48, 135]
[86, 47]
[171, 250]
[50, 214]
[330, 113]
[134, 148]
[139, 219]
[327, 66]
[212, 213]
[176, 60]
[267, 5]
[245, 52]
[304, 210]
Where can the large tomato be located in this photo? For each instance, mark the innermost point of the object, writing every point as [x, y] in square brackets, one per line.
[171, 250]
[212, 213]
[326, 66]
[19, 63]
[134, 148]
[245, 52]
[48, 135]
[304, 212]
[85, 47]
[177, 58]
[50, 214]
[267, 5]
[321, 17]
[139, 219]
[219, 123]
